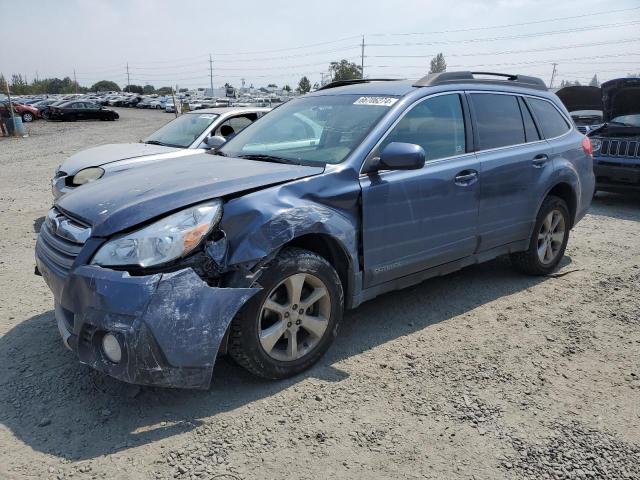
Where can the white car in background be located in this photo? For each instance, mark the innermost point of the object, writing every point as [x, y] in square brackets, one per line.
[184, 136]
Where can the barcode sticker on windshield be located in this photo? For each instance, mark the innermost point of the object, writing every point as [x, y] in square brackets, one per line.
[381, 101]
[208, 116]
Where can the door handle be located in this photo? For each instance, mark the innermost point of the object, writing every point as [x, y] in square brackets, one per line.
[466, 178]
[539, 160]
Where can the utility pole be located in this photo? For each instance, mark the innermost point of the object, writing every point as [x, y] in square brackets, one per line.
[553, 75]
[211, 73]
[74, 80]
[128, 80]
[362, 59]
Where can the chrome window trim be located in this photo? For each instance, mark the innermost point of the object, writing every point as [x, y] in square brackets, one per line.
[399, 119]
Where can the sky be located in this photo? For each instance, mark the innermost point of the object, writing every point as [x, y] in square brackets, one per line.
[169, 42]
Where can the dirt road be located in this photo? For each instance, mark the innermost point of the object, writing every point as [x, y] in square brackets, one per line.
[482, 374]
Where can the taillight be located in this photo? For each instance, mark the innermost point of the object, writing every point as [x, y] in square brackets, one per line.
[586, 146]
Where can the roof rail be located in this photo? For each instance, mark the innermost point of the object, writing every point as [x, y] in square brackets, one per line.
[342, 83]
[457, 77]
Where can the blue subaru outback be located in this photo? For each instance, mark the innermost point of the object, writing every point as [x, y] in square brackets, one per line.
[357, 189]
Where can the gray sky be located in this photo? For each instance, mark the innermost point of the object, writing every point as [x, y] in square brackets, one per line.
[169, 42]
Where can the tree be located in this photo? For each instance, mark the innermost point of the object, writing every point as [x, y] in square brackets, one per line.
[286, 88]
[438, 64]
[148, 89]
[316, 86]
[105, 86]
[164, 91]
[133, 89]
[272, 85]
[345, 70]
[304, 85]
[594, 81]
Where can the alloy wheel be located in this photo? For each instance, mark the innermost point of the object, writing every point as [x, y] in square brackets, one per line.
[551, 236]
[294, 317]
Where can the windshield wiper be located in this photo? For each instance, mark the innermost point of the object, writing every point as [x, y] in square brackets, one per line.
[268, 158]
[155, 142]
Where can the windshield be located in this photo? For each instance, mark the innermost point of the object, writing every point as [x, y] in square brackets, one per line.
[182, 131]
[317, 129]
[631, 120]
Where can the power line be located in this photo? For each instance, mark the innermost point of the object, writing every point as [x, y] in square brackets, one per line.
[509, 52]
[492, 27]
[508, 37]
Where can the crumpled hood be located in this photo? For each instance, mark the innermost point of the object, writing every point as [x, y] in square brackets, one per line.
[580, 98]
[97, 156]
[620, 97]
[122, 201]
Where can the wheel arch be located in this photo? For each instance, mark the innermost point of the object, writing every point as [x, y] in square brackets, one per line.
[566, 192]
[332, 250]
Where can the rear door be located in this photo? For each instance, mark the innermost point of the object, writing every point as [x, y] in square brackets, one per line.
[417, 219]
[512, 158]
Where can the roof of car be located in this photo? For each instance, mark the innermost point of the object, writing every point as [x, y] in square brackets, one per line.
[224, 110]
[461, 79]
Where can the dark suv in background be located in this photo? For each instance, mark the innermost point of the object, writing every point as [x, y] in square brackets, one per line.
[331, 199]
[616, 143]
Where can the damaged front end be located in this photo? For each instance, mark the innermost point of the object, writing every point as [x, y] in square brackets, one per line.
[162, 329]
[616, 144]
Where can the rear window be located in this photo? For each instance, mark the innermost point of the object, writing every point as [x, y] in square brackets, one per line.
[550, 120]
[498, 120]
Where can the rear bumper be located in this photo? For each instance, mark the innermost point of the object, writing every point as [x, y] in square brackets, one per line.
[617, 175]
[169, 326]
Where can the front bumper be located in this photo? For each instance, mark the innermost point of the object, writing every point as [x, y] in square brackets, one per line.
[617, 174]
[169, 325]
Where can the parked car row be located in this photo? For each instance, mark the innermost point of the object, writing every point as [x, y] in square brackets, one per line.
[160, 259]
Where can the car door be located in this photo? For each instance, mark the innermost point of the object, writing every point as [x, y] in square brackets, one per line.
[511, 158]
[417, 219]
[79, 111]
[91, 111]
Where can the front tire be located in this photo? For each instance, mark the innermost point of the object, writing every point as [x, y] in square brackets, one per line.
[293, 320]
[27, 117]
[548, 240]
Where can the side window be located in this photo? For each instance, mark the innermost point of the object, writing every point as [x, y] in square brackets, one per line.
[530, 130]
[436, 124]
[235, 125]
[550, 120]
[79, 105]
[498, 120]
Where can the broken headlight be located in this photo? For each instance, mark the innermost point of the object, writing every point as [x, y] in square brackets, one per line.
[87, 175]
[163, 241]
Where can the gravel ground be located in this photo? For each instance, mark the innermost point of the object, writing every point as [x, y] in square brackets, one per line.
[482, 374]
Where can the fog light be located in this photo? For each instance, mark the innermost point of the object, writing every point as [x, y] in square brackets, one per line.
[111, 348]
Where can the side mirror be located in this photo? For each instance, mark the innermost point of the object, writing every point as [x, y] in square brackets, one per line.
[400, 156]
[215, 142]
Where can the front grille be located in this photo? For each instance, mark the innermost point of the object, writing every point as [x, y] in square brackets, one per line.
[60, 241]
[620, 148]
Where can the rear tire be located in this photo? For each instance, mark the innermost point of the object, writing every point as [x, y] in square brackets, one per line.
[72, 118]
[548, 240]
[27, 117]
[270, 337]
